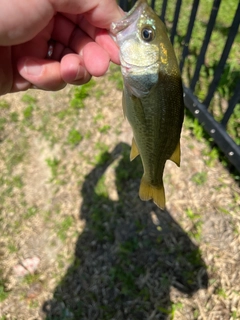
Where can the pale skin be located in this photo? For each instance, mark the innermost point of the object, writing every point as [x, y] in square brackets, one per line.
[76, 30]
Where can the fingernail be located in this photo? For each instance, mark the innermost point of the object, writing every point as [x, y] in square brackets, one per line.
[81, 72]
[32, 67]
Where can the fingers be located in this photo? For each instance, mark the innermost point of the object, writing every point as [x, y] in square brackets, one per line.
[101, 37]
[73, 71]
[99, 13]
[44, 74]
[74, 55]
[49, 74]
[76, 32]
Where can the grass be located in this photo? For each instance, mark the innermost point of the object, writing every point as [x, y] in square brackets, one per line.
[103, 155]
[81, 93]
[63, 227]
[3, 294]
[100, 189]
[200, 178]
[53, 165]
[74, 137]
[121, 257]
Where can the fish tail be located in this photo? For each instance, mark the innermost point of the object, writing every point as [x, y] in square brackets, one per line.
[148, 192]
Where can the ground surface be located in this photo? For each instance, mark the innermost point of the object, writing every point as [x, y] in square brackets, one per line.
[69, 199]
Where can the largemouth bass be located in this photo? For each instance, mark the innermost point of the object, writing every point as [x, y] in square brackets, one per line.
[152, 95]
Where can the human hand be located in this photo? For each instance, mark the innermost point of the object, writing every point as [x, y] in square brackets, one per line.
[48, 43]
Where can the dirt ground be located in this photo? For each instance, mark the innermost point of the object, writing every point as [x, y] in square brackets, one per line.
[69, 203]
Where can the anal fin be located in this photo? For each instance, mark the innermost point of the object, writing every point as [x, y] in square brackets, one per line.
[148, 192]
[134, 150]
[175, 157]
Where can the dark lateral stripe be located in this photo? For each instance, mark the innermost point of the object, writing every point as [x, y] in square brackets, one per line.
[206, 40]
[189, 33]
[175, 21]
[218, 72]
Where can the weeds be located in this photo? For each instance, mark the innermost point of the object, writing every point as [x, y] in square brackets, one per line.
[3, 293]
[64, 226]
[200, 178]
[53, 165]
[81, 93]
[74, 137]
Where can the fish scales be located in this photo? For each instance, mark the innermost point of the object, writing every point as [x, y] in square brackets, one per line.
[152, 95]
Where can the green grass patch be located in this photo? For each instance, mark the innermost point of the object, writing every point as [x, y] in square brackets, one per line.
[100, 189]
[220, 292]
[199, 178]
[103, 156]
[3, 121]
[53, 165]
[63, 227]
[74, 137]
[30, 212]
[196, 230]
[28, 99]
[31, 278]
[4, 105]
[3, 293]
[16, 151]
[105, 128]
[80, 93]
[14, 116]
[171, 311]
[98, 117]
[116, 76]
[12, 248]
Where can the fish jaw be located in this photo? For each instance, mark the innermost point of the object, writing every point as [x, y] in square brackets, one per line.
[130, 18]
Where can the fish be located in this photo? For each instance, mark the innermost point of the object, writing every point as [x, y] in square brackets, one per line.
[152, 95]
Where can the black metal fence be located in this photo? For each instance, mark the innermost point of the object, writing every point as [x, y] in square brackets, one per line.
[203, 105]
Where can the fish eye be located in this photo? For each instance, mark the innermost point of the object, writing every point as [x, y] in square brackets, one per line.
[147, 34]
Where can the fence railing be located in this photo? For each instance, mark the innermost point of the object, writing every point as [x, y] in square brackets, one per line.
[223, 76]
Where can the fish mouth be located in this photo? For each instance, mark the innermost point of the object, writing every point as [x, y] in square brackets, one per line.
[127, 67]
[130, 18]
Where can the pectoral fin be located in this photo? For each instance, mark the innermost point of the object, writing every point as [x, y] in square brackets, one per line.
[148, 192]
[134, 150]
[175, 157]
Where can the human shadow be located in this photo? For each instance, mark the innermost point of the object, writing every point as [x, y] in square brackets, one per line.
[129, 255]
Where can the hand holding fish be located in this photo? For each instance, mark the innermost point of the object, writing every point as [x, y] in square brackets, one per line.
[49, 43]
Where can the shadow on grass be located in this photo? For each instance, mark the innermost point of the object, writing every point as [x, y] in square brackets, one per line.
[129, 255]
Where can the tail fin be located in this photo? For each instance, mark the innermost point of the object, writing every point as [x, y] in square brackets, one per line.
[147, 192]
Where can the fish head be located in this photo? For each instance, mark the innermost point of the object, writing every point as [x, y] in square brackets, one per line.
[141, 37]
